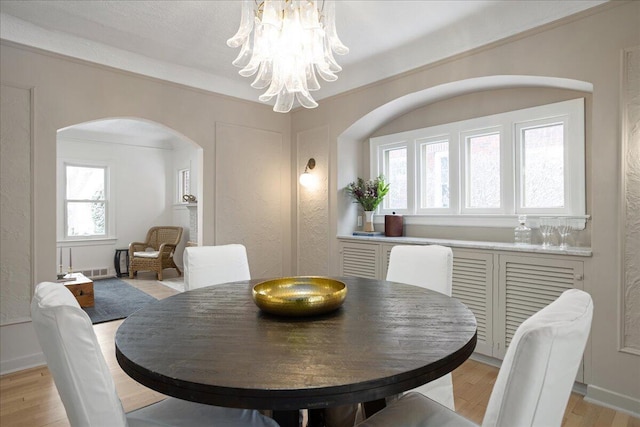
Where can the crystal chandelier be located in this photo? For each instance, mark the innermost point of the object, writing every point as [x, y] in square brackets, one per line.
[292, 41]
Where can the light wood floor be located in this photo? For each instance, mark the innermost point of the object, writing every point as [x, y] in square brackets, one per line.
[29, 398]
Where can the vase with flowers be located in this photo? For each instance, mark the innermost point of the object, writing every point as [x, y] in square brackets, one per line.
[369, 195]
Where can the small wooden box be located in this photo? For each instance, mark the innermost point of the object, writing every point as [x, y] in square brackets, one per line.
[81, 288]
[393, 225]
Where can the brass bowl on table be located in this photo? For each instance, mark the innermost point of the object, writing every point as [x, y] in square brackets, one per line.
[299, 296]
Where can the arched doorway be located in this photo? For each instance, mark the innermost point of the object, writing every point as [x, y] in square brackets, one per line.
[145, 165]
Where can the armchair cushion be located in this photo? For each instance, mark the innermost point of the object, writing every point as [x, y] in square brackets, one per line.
[147, 254]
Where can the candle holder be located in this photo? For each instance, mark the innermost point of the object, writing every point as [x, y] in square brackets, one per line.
[70, 271]
[60, 274]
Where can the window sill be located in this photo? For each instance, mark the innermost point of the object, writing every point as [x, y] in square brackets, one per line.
[498, 221]
[87, 242]
[468, 244]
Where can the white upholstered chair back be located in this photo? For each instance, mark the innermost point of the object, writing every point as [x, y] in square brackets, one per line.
[86, 386]
[430, 267]
[539, 369]
[534, 382]
[74, 358]
[212, 265]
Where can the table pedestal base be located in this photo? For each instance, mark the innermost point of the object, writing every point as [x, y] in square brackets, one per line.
[374, 406]
[287, 418]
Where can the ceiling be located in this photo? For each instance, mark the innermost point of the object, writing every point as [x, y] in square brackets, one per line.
[125, 131]
[185, 41]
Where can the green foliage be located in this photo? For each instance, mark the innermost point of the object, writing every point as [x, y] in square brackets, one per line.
[368, 194]
[98, 213]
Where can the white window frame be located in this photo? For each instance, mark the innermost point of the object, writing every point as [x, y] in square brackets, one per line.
[463, 142]
[453, 175]
[574, 189]
[180, 185]
[109, 206]
[510, 125]
[382, 167]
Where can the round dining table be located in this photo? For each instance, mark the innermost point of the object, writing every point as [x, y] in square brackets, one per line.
[213, 345]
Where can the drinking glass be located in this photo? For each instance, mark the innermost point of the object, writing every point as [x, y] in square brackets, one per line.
[547, 227]
[564, 229]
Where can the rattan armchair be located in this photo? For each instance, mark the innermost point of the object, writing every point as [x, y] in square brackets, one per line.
[162, 241]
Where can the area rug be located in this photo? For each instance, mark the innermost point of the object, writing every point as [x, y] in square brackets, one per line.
[115, 299]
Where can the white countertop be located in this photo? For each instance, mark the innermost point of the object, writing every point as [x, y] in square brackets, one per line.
[470, 244]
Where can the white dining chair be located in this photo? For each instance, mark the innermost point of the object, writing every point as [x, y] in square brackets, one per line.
[430, 267]
[84, 381]
[212, 265]
[534, 382]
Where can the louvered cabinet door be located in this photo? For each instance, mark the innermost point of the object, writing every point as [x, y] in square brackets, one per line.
[360, 260]
[473, 285]
[528, 284]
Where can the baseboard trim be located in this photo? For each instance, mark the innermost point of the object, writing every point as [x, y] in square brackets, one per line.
[487, 360]
[579, 388]
[613, 400]
[22, 363]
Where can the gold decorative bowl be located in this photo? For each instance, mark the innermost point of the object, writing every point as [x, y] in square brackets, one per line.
[299, 296]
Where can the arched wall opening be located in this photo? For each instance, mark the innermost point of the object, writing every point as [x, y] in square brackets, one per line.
[144, 161]
[410, 111]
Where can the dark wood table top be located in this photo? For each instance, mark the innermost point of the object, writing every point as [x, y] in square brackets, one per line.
[213, 345]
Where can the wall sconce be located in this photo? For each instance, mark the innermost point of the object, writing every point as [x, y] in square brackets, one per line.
[306, 179]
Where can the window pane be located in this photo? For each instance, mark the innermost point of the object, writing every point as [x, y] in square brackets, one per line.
[435, 175]
[396, 175]
[85, 183]
[184, 184]
[86, 219]
[543, 167]
[484, 171]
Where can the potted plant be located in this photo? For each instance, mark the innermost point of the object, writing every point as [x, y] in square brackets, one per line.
[369, 195]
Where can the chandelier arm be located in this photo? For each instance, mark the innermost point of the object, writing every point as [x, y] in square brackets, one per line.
[250, 69]
[256, 58]
[246, 25]
[329, 60]
[330, 27]
[312, 79]
[306, 100]
[264, 76]
[284, 102]
[277, 86]
[244, 57]
[326, 73]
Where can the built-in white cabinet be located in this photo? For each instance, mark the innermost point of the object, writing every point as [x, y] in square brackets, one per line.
[473, 285]
[526, 285]
[360, 260]
[501, 288]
